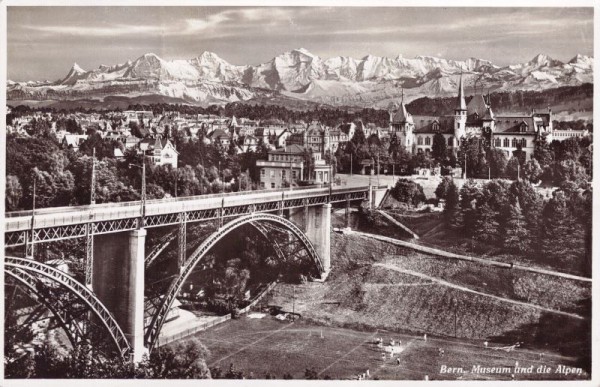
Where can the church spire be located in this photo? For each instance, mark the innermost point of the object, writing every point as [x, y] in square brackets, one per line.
[461, 104]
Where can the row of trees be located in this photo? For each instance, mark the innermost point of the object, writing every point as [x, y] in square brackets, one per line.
[63, 176]
[568, 160]
[183, 361]
[515, 217]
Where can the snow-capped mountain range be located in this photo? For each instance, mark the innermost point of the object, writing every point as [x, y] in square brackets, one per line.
[298, 74]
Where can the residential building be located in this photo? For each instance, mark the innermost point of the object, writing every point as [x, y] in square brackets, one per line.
[284, 166]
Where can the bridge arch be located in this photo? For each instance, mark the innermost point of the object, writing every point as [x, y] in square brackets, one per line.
[152, 332]
[28, 271]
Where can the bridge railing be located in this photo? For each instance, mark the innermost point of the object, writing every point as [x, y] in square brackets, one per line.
[137, 203]
[164, 340]
[61, 216]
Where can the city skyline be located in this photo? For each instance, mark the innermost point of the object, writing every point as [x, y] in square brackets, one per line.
[59, 36]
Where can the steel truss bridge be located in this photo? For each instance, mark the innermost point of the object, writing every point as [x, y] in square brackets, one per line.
[79, 311]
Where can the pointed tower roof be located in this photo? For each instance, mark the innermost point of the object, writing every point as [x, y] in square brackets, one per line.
[477, 105]
[461, 104]
[402, 116]
[489, 115]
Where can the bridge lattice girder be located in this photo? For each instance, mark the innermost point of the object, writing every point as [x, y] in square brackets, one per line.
[79, 230]
[38, 277]
[153, 330]
[54, 304]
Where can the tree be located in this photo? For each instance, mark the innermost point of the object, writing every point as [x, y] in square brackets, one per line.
[497, 162]
[562, 237]
[452, 213]
[516, 236]
[469, 150]
[309, 163]
[470, 194]
[486, 225]
[542, 152]
[513, 168]
[568, 149]
[135, 129]
[359, 136]
[438, 148]
[442, 189]
[532, 204]
[569, 170]
[14, 193]
[409, 192]
[532, 170]
[185, 361]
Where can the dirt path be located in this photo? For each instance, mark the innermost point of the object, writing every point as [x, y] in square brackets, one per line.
[489, 262]
[465, 289]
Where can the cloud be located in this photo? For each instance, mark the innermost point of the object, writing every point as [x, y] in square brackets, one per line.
[113, 30]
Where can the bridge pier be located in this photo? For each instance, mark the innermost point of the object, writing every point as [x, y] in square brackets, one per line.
[315, 221]
[118, 281]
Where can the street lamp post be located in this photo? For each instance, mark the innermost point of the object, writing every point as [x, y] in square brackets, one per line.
[143, 202]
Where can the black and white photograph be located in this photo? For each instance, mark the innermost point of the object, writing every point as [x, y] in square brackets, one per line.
[364, 192]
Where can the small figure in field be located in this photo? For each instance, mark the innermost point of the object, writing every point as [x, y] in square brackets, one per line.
[392, 342]
[383, 356]
[485, 344]
[425, 337]
[368, 374]
[398, 361]
[440, 351]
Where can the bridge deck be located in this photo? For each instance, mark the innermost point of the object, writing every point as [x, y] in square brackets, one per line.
[114, 217]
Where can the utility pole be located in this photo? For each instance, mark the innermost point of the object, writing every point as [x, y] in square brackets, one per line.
[93, 188]
[89, 262]
[29, 250]
[350, 164]
[143, 201]
[378, 168]
[465, 166]
[489, 173]
[518, 171]
[330, 179]
[176, 178]
[143, 193]
[222, 189]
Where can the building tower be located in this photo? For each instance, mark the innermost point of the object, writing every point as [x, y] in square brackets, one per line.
[326, 140]
[403, 125]
[460, 113]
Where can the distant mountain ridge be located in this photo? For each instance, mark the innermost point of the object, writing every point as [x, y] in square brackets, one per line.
[298, 74]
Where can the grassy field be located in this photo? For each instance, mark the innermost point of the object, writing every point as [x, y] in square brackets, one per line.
[361, 296]
[361, 299]
[266, 346]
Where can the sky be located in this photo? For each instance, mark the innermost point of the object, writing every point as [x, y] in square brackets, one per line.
[44, 42]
